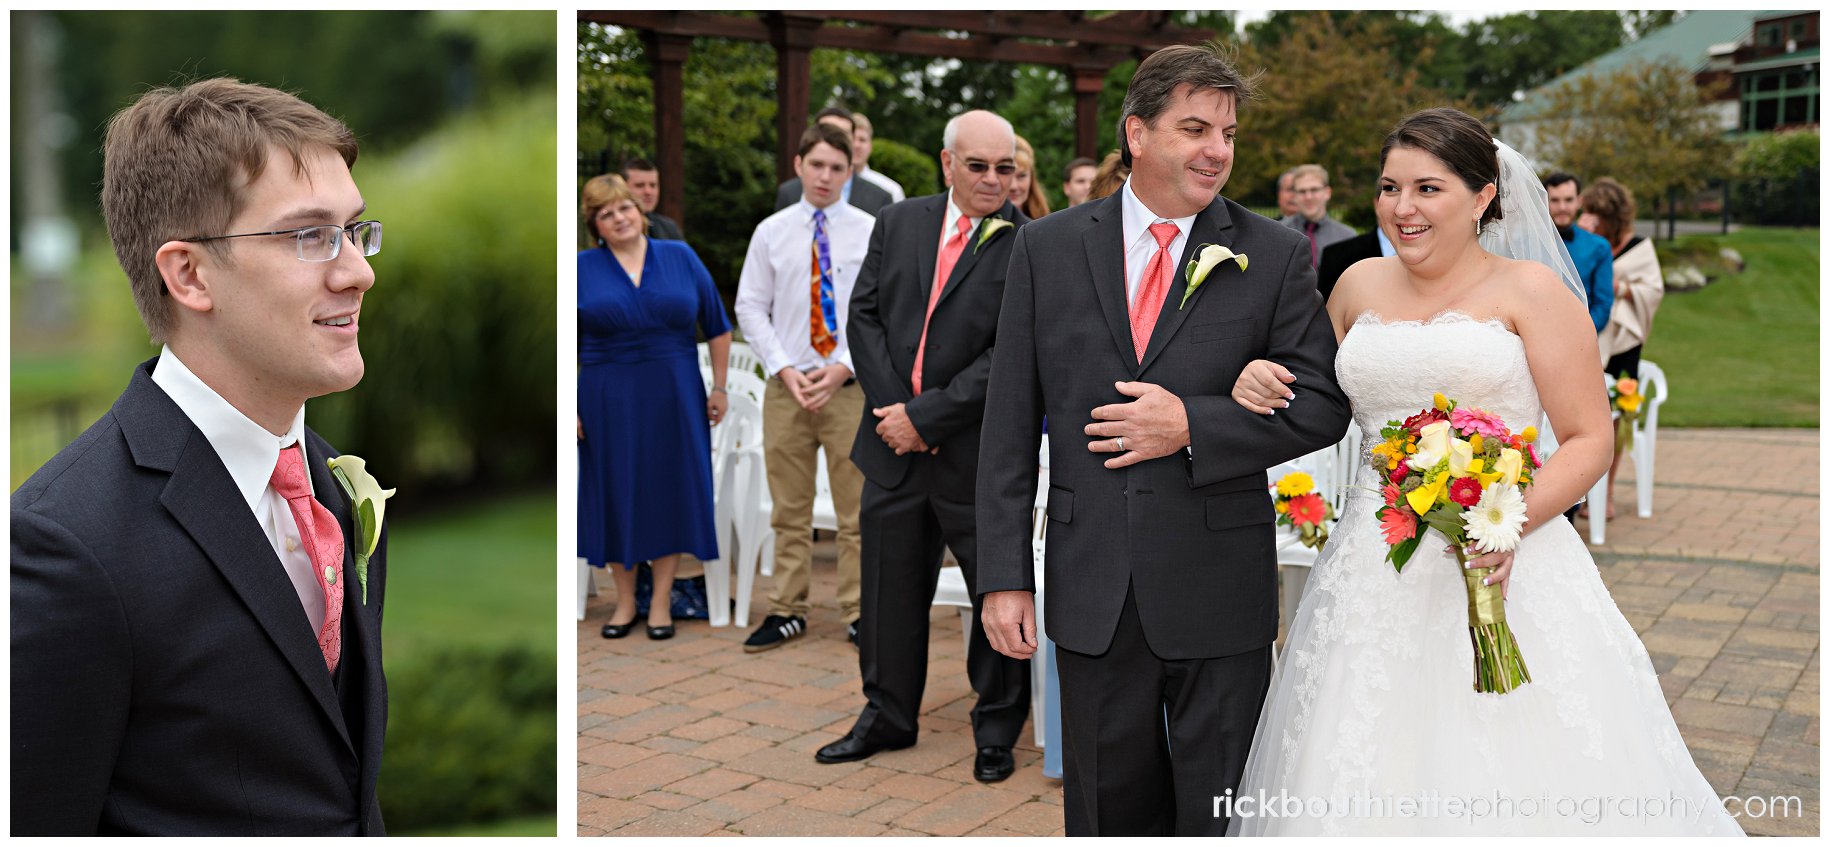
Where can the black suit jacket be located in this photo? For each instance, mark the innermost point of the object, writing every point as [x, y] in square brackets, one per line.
[663, 228]
[865, 194]
[888, 306]
[165, 679]
[1341, 255]
[1190, 535]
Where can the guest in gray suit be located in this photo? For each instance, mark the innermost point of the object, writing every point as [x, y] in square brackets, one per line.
[196, 619]
[1161, 574]
[1309, 185]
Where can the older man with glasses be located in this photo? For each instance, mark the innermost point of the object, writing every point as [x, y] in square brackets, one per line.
[924, 314]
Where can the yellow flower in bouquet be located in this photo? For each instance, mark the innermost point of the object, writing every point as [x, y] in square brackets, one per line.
[1295, 483]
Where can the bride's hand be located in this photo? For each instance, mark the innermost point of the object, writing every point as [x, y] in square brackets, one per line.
[1501, 563]
[1261, 387]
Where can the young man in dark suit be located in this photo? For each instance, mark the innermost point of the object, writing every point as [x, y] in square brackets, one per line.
[196, 616]
[1161, 575]
[924, 315]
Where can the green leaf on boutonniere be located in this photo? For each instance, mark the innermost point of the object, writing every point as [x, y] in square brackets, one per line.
[990, 227]
[1206, 257]
[369, 500]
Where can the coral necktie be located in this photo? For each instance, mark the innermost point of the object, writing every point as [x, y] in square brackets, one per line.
[943, 268]
[1153, 290]
[323, 541]
[823, 321]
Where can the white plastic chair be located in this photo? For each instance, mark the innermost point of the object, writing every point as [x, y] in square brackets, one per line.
[586, 586]
[740, 432]
[825, 514]
[1645, 432]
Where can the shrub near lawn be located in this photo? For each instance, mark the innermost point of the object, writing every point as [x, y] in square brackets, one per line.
[472, 736]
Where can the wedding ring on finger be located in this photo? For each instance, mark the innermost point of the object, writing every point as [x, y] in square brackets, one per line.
[1121, 444]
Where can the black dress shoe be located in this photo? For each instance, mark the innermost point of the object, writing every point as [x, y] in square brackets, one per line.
[993, 764]
[618, 630]
[660, 633]
[851, 749]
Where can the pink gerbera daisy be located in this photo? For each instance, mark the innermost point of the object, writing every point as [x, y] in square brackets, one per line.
[1469, 420]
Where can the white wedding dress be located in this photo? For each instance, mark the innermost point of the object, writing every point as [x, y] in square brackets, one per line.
[1372, 725]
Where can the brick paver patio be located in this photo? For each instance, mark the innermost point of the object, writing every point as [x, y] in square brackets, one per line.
[694, 737]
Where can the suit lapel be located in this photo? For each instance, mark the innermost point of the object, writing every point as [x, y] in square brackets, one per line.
[202, 497]
[927, 241]
[970, 256]
[1105, 248]
[1213, 226]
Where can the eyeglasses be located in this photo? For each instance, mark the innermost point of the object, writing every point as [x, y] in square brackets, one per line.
[1003, 168]
[1309, 192]
[320, 243]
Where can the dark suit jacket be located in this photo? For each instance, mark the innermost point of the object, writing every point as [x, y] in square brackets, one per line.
[865, 194]
[165, 679]
[663, 228]
[1341, 255]
[1190, 535]
[888, 306]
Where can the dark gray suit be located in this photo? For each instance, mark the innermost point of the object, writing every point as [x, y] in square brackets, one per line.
[1161, 577]
[865, 194]
[914, 504]
[165, 679]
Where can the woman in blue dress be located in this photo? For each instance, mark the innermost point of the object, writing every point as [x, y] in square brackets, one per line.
[644, 436]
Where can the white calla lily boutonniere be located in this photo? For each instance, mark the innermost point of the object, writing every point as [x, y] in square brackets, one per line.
[991, 226]
[1206, 257]
[369, 500]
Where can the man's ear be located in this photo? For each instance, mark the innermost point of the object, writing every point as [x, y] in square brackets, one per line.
[1134, 136]
[183, 265]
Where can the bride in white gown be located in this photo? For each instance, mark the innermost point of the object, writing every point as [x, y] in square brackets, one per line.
[1372, 725]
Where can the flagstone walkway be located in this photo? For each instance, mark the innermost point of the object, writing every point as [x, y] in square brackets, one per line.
[694, 737]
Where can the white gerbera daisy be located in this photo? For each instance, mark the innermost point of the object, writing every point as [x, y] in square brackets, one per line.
[1498, 519]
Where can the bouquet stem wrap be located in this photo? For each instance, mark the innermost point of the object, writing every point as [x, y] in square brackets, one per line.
[1499, 667]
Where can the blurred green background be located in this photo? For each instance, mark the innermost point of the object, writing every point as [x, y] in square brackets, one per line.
[455, 112]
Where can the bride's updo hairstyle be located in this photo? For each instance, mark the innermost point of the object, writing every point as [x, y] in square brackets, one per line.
[1458, 141]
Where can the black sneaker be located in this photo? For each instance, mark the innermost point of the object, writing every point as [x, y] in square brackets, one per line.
[774, 632]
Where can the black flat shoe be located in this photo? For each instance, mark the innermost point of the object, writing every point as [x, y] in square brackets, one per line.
[852, 749]
[660, 633]
[618, 630]
[993, 764]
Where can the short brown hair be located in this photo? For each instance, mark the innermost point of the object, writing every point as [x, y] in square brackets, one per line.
[1203, 66]
[1109, 178]
[1457, 140]
[177, 164]
[601, 191]
[827, 134]
[1612, 205]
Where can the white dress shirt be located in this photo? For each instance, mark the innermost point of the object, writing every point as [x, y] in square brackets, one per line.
[885, 183]
[775, 291]
[1140, 245]
[249, 452]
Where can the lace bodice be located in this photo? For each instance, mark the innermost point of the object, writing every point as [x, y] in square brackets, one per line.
[1389, 370]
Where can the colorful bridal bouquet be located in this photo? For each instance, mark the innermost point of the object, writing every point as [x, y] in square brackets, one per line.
[1626, 399]
[1460, 471]
[1299, 506]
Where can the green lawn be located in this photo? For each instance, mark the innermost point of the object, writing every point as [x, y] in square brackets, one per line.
[1743, 351]
[478, 574]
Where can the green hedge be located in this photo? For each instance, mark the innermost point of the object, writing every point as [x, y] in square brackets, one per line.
[918, 172]
[472, 736]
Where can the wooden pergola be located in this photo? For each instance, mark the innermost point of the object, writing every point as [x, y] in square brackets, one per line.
[1087, 47]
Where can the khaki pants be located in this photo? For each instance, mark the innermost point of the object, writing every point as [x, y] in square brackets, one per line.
[792, 438]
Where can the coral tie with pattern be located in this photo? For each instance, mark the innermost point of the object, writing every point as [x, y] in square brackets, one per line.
[1153, 290]
[823, 321]
[323, 541]
[943, 268]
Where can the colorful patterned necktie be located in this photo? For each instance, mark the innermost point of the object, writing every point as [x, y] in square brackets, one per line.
[824, 320]
[943, 268]
[1153, 290]
[323, 541]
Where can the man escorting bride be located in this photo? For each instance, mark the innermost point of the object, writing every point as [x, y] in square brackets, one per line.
[1123, 320]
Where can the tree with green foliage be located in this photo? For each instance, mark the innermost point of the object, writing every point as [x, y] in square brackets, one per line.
[1648, 125]
[1521, 51]
[1315, 107]
[1779, 174]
